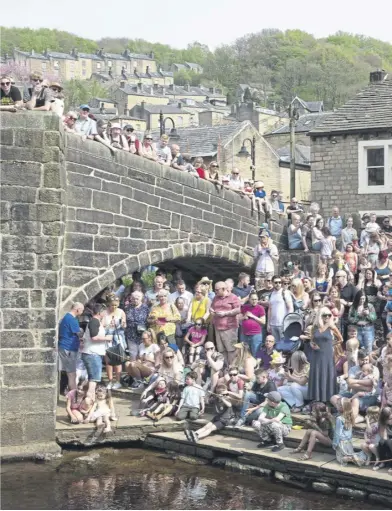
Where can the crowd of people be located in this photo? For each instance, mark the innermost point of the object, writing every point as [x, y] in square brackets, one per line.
[232, 345]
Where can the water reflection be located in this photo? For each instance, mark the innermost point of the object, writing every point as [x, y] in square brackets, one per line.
[133, 480]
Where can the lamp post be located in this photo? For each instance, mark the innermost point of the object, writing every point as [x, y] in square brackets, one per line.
[162, 122]
[293, 112]
[245, 153]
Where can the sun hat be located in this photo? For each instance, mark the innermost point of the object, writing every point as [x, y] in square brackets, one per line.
[206, 279]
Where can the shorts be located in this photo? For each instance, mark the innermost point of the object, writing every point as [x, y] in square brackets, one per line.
[225, 339]
[93, 365]
[219, 423]
[68, 360]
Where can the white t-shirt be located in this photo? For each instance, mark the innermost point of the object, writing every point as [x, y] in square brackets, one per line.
[148, 351]
[163, 153]
[277, 306]
[187, 296]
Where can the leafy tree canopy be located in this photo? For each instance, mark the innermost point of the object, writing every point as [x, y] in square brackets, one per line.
[279, 64]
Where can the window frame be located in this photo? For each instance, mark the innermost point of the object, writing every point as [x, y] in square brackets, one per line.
[363, 146]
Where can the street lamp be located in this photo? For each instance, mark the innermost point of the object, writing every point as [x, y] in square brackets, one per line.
[245, 153]
[162, 121]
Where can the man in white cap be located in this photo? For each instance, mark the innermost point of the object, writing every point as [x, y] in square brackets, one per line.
[85, 126]
[117, 139]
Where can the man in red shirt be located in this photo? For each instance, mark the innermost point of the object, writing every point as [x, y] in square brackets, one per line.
[225, 309]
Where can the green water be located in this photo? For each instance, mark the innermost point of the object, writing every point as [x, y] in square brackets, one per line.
[142, 479]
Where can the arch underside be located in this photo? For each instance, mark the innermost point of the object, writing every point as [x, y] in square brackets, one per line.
[197, 259]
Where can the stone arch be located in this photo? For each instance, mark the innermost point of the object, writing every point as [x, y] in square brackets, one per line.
[236, 256]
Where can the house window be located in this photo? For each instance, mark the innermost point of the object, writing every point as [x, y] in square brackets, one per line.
[180, 120]
[375, 166]
[56, 64]
[83, 72]
[98, 66]
[375, 169]
[83, 63]
[109, 63]
[72, 66]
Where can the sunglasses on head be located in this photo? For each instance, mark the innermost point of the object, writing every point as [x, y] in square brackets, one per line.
[5, 83]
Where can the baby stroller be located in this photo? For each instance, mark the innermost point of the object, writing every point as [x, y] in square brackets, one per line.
[293, 327]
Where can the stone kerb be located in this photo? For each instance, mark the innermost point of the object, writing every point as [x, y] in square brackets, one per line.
[123, 205]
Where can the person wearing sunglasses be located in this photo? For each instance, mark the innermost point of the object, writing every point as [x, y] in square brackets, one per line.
[212, 174]
[135, 146]
[280, 304]
[38, 96]
[69, 121]
[57, 103]
[148, 148]
[10, 96]
[322, 375]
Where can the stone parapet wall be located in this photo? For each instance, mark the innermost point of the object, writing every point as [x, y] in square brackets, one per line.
[33, 208]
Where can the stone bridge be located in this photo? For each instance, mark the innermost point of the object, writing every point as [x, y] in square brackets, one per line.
[74, 218]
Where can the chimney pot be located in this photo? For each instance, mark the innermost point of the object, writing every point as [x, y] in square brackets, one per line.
[179, 104]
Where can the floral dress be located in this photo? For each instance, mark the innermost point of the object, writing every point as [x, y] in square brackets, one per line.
[136, 320]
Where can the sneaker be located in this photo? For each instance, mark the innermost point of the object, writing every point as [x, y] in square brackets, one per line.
[109, 386]
[240, 423]
[137, 384]
[278, 447]
[116, 385]
[194, 436]
[264, 443]
[188, 435]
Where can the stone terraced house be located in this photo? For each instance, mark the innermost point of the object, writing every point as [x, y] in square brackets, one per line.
[351, 152]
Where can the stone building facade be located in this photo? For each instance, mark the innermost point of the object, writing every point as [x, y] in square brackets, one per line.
[351, 153]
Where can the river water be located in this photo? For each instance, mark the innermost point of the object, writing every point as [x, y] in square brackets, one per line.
[142, 479]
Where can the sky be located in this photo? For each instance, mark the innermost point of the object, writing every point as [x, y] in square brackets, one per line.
[212, 22]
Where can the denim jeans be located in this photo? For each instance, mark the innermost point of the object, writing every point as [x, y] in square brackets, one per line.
[249, 398]
[253, 341]
[366, 337]
[294, 394]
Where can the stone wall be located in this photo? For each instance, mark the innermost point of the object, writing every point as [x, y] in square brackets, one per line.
[335, 176]
[126, 212]
[32, 220]
[74, 218]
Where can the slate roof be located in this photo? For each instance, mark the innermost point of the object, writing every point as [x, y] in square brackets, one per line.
[302, 154]
[92, 56]
[204, 141]
[59, 55]
[165, 109]
[102, 76]
[179, 66]
[311, 106]
[38, 56]
[106, 111]
[166, 73]
[304, 124]
[369, 110]
[144, 91]
[192, 65]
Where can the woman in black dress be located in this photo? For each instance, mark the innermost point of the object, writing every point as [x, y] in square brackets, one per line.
[322, 374]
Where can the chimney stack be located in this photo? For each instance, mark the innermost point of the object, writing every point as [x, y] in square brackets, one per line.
[147, 69]
[377, 76]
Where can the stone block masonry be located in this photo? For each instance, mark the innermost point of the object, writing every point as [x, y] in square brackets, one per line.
[73, 219]
[335, 176]
[33, 211]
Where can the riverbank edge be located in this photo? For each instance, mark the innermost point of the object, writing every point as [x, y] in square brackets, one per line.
[167, 437]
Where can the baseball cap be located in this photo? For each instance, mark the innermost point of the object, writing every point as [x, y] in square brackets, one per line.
[129, 127]
[84, 107]
[274, 396]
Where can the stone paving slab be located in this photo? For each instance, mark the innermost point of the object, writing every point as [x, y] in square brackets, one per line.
[324, 461]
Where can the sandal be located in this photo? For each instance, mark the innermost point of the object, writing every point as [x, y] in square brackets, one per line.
[305, 457]
[297, 450]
